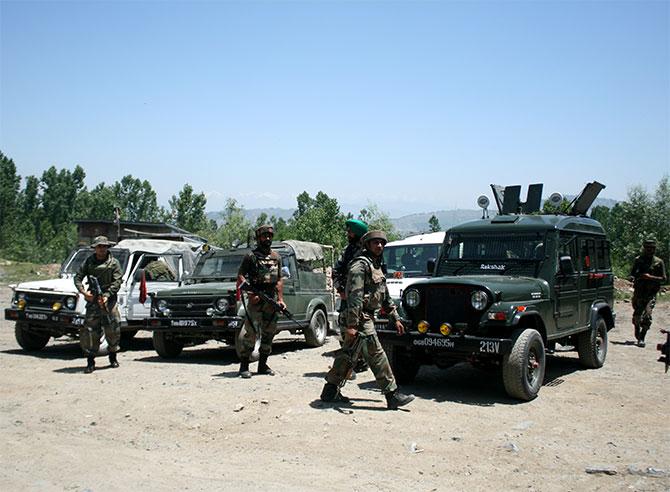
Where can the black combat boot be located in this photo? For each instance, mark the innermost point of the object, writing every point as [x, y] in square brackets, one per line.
[263, 367]
[112, 360]
[244, 369]
[395, 399]
[331, 393]
[90, 365]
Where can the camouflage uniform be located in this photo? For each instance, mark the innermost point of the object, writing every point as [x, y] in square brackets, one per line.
[109, 275]
[263, 271]
[366, 292]
[340, 271]
[159, 271]
[645, 290]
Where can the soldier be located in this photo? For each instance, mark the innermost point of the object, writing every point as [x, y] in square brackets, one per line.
[648, 273]
[355, 231]
[102, 312]
[262, 269]
[366, 292]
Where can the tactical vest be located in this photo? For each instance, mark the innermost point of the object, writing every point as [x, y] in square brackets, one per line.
[374, 287]
[267, 270]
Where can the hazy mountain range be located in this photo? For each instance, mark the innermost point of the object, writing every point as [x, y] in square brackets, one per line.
[406, 224]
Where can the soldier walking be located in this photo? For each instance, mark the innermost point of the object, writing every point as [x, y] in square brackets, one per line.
[102, 314]
[262, 270]
[366, 292]
[648, 273]
[355, 231]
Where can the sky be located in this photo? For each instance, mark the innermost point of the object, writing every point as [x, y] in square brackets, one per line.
[413, 106]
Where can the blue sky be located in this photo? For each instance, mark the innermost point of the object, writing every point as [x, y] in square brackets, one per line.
[414, 106]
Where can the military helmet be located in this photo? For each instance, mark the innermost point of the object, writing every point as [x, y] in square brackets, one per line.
[102, 241]
[369, 236]
[265, 228]
[358, 227]
[650, 241]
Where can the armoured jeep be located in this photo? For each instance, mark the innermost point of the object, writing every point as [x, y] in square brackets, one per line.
[507, 290]
[208, 307]
[54, 308]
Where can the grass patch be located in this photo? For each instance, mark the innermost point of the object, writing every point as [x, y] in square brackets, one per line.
[17, 271]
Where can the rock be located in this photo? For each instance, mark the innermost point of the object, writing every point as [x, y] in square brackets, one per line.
[414, 448]
[647, 472]
[265, 402]
[601, 469]
[511, 447]
[238, 407]
[456, 438]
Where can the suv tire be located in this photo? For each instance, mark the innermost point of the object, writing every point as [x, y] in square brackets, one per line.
[29, 340]
[524, 366]
[592, 344]
[403, 366]
[166, 346]
[315, 336]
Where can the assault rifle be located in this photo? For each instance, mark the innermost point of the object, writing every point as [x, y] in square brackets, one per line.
[96, 290]
[664, 348]
[275, 305]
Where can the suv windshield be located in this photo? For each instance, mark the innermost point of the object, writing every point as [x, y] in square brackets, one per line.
[216, 267]
[410, 259]
[492, 254]
[76, 259]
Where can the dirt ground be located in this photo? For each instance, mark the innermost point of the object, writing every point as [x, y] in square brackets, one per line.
[191, 424]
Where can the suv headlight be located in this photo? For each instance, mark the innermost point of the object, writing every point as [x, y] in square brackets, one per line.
[161, 306]
[412, 298]
[479, 299]
[70, 302]
[222, 304]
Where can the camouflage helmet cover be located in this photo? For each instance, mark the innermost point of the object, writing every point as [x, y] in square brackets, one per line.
[265, 228]
[102, 241]
[357, 227]
[369, 236]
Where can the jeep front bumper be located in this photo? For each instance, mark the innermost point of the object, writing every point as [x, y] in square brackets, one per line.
[42, 318]
[195, 324]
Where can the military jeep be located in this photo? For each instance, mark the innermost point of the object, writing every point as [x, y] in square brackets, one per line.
[208, 307]
[507, 290]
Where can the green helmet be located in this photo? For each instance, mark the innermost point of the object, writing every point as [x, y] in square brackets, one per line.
[357, 227]
[374, 235]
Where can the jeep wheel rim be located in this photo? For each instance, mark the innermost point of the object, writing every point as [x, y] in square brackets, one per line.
[533, 368]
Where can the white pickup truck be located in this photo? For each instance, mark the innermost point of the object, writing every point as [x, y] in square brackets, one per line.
[53, 308]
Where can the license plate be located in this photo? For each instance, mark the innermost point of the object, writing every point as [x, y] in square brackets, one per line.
[38, 316]
[78, 321]
[433, 342]
[183, 323]
[233, 323]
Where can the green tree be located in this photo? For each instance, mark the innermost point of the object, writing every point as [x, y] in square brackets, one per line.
[378, 220]
[187, 210]
[235, 228]
[9, 190]
[136, 199]
[434, 224]
[318, 219]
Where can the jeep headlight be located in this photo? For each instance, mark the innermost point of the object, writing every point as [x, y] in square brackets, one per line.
[412, 298]
[70, 303]
[222, 304]
[20, 296]
[479, 299]
[162, 306]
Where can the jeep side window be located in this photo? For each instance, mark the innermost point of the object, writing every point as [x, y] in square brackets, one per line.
[567, 246]
[288, 262]
[603, 254]
[588, 257]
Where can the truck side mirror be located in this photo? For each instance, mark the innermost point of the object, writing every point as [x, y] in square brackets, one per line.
[430, 265]
[565, 265]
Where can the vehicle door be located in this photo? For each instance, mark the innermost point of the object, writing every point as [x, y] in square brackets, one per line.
[291, 279]
[166, 274]
[566, 285]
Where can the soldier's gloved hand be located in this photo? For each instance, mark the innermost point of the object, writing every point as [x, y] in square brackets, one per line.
[399, 328]
[88, 296]
[282, 304]
[350, 333]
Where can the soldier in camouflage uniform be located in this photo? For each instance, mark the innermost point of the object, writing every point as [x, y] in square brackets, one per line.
[366, 292]
[102, 313]
[262, 269]
[648, 273]
[355, 231]
[158, 270]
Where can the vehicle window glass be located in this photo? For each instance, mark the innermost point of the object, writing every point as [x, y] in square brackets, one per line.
[217, 267]
[312, 274]
[410, 259]
[587, 248]
[289, 262]
[603, 254]
[567, 246]
[72, 265]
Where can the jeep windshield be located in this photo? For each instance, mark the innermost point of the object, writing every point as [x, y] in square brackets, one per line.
[411, 260]
[216, 268]
[77, 258]
[492, 254]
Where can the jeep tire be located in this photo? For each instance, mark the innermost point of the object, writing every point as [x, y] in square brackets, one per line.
[523, 366]
[166, 346]
[403, 366]
[592, 344]
[315, 335]
[30, 340]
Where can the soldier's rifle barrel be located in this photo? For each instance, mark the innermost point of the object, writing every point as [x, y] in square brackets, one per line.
[275, 305]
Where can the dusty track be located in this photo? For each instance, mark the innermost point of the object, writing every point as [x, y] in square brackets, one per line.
[192, 424]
